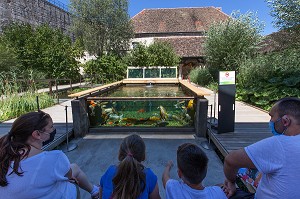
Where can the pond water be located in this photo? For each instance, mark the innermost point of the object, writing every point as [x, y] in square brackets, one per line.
[171, 108]
[149, 90]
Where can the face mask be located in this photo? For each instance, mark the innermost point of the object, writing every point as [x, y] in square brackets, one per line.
[52, 135]
[272, 127]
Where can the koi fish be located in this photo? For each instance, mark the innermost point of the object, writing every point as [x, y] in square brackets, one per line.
[115, 117]
[190, 104]
[141, 111]
[163, 113]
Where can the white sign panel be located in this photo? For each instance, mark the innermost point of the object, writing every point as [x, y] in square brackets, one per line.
[226, 77]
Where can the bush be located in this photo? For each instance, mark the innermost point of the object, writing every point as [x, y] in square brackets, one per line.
[201, 76]
[267, 78]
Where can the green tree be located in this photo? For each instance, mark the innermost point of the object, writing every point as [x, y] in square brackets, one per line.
[43, 50]
[286, 15]
[162, 54]
[156, 54]
[103, 25]
[285, 12]
[230, 42]
[8, 59]
[107, 68]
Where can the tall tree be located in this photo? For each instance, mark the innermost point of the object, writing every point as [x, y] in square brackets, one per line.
[286, 15]
[43, 49]
[285, 12]
[230, 42]
[103, 25]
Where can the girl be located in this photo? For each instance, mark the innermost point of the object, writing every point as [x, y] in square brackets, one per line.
[28, 172]
[130, 179]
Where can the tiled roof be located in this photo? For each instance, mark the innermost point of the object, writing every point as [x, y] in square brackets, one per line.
[278, 41]
[176, 19]
[185, 46]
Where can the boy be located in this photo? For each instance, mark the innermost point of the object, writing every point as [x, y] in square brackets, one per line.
[192, 169]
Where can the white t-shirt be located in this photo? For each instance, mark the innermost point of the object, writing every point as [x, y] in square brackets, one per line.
[179, 190]
[278, 159]
[43, 178]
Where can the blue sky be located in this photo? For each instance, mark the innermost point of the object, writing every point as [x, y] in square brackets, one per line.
[259, 6]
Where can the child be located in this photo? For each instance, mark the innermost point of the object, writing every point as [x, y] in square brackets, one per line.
[192, 169]
[129, 179]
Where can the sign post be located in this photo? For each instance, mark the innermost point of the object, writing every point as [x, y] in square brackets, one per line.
[226, 101]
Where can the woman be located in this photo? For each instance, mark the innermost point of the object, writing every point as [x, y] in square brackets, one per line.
[130, 179]
[28, 172]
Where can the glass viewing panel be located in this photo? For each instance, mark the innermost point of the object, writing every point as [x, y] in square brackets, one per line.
[142, 113]
[152, 72]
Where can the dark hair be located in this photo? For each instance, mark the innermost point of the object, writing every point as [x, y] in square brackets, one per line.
[192, 162]
[13, 146]
[289, 106]
[130, 179]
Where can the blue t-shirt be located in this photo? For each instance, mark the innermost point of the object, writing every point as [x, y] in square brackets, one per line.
[107, 184]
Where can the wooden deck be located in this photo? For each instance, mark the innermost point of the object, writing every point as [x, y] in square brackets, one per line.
[244, 135]
[251, 125]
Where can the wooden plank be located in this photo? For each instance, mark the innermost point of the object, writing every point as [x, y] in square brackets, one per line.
[139, 98]
[199, 92]
[96, 89]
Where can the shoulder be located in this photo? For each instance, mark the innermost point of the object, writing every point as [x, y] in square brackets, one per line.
[172, 183]
[56, 154]
[111, 171]
[265, 144]
[215, 192]
[150, 174]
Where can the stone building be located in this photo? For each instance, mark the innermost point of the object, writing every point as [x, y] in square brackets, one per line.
[35, 12]
[183, 28]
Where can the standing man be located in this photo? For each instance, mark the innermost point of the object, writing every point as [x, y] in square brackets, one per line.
[277, 157]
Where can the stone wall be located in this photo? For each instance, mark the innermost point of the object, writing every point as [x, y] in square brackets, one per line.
[34, 12]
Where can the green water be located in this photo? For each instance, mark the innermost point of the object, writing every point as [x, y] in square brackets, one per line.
[147, 91]
[144, 113]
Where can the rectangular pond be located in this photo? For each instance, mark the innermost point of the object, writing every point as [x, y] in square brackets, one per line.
[143, 105]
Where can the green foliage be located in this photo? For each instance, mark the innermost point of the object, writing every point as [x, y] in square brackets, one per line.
[231, 42]
[108, 68]
[13, 103]
[267, 78]
[157, 54]
[43, 49]
[103, 25]
[8, 59]
[201, 76]
[285, 12]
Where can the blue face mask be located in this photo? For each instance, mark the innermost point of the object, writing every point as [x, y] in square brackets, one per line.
[272, 127]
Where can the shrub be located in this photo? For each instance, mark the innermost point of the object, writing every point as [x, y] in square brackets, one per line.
[201, 76]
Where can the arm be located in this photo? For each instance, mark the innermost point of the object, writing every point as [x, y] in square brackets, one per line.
[155, 193]
[100, 192]
[233, 161]
[166, 174]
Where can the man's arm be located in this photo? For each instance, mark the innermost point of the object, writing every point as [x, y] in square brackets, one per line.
[166, 174]
[235, 160]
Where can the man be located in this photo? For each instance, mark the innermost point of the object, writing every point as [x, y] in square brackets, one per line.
[277, 157]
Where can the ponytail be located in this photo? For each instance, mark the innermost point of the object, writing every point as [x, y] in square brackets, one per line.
[11, 151]
[130, 180]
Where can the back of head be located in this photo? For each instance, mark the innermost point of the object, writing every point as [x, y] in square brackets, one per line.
[130, 180]
[192, 162]
[14, 147]
[289, 106]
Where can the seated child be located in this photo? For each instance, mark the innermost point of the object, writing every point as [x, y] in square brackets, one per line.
[129, 179]
[192, 169]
